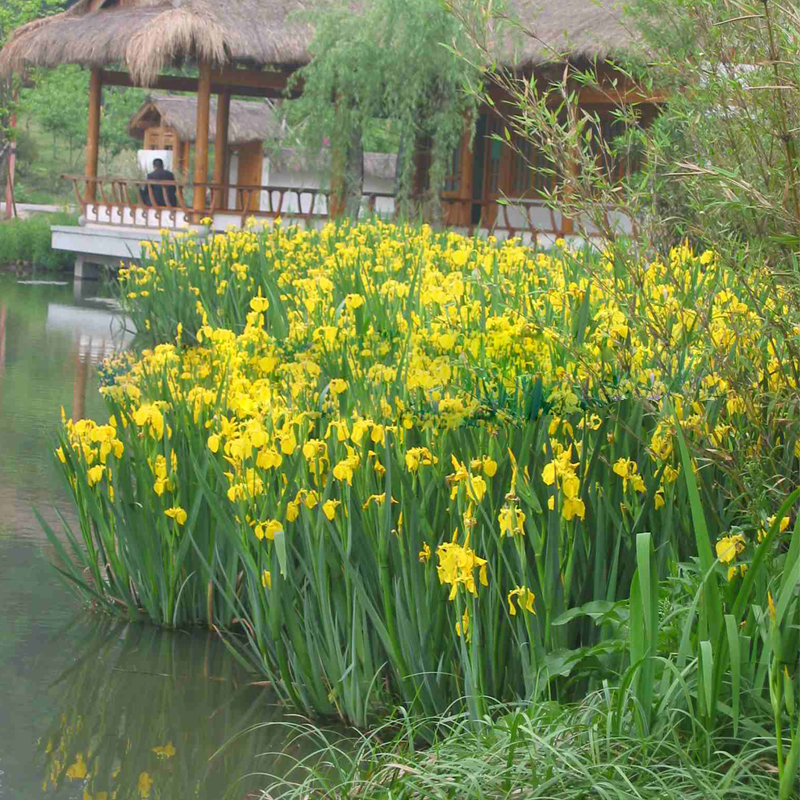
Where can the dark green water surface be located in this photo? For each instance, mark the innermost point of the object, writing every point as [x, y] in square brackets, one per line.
[92, 708]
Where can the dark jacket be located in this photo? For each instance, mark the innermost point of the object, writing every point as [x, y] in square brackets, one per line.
[158, 191]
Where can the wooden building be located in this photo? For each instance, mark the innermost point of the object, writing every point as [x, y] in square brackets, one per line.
[497, 180]
[251, 48]
[169, 122]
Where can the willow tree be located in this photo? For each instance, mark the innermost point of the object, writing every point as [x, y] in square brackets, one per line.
[390, 59]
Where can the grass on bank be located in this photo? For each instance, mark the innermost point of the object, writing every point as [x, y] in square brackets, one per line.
[544, 752]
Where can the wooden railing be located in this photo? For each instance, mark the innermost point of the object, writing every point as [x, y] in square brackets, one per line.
[528, 219]
[118, 201]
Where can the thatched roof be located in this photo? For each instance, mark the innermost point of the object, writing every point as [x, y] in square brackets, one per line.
[297, 159]
[545, 31]
[147, 36]
[248, 122]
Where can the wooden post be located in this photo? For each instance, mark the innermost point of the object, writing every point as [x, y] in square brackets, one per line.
[93, 132]
[11, 209]
[79, 383]
[221, 147]
[201, 140]
[187, 156]
[337, 202]
[572, 168]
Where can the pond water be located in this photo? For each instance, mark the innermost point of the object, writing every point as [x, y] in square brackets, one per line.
[92, 708]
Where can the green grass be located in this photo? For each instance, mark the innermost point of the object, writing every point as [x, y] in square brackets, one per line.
[544, 752]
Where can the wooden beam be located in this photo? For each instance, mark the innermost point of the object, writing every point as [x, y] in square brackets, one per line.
[221, 146]
[201, 139]
[246, 86]
[93, 132]
[171, 83]
[614, 96]
[262, 80]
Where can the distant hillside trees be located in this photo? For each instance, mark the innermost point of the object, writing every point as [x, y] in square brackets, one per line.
[14, 13]
[58, 101]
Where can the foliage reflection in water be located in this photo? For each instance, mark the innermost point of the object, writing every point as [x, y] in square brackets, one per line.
[92, 708]
[163, 723]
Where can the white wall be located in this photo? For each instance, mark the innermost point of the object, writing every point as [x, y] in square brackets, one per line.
[302, 202]
[233, 176]
[147, 157]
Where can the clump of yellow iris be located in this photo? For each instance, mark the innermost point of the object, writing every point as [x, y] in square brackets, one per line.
[308, 360]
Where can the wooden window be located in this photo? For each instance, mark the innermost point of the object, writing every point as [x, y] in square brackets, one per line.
[529, 178]
[451, 183]
[604, 131]
[452, 178]
[493, 156]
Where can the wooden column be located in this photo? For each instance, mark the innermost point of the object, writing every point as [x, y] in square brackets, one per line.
[201, 140]
[93, 132]
[221, 147]
[79, 383]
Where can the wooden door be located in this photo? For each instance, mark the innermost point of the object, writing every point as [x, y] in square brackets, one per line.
[456, 187]
[250, 163]
[491, 169]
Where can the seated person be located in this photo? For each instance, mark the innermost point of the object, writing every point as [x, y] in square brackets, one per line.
[159, 174]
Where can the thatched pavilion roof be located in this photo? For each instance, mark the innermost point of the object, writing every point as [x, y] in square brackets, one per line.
[249, 121]
[147, 36]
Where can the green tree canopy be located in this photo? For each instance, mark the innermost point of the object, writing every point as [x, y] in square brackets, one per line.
[58, 100]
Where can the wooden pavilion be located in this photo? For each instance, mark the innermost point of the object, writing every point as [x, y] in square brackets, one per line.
[252, 48]
[169, 123]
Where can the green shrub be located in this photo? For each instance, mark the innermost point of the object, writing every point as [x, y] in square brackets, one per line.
[29, 239]
[27, 152]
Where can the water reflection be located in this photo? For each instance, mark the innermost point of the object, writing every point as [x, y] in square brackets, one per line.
[88, 705]
[3, 315]
[152, 728]
[96, 332]
[49, 347]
